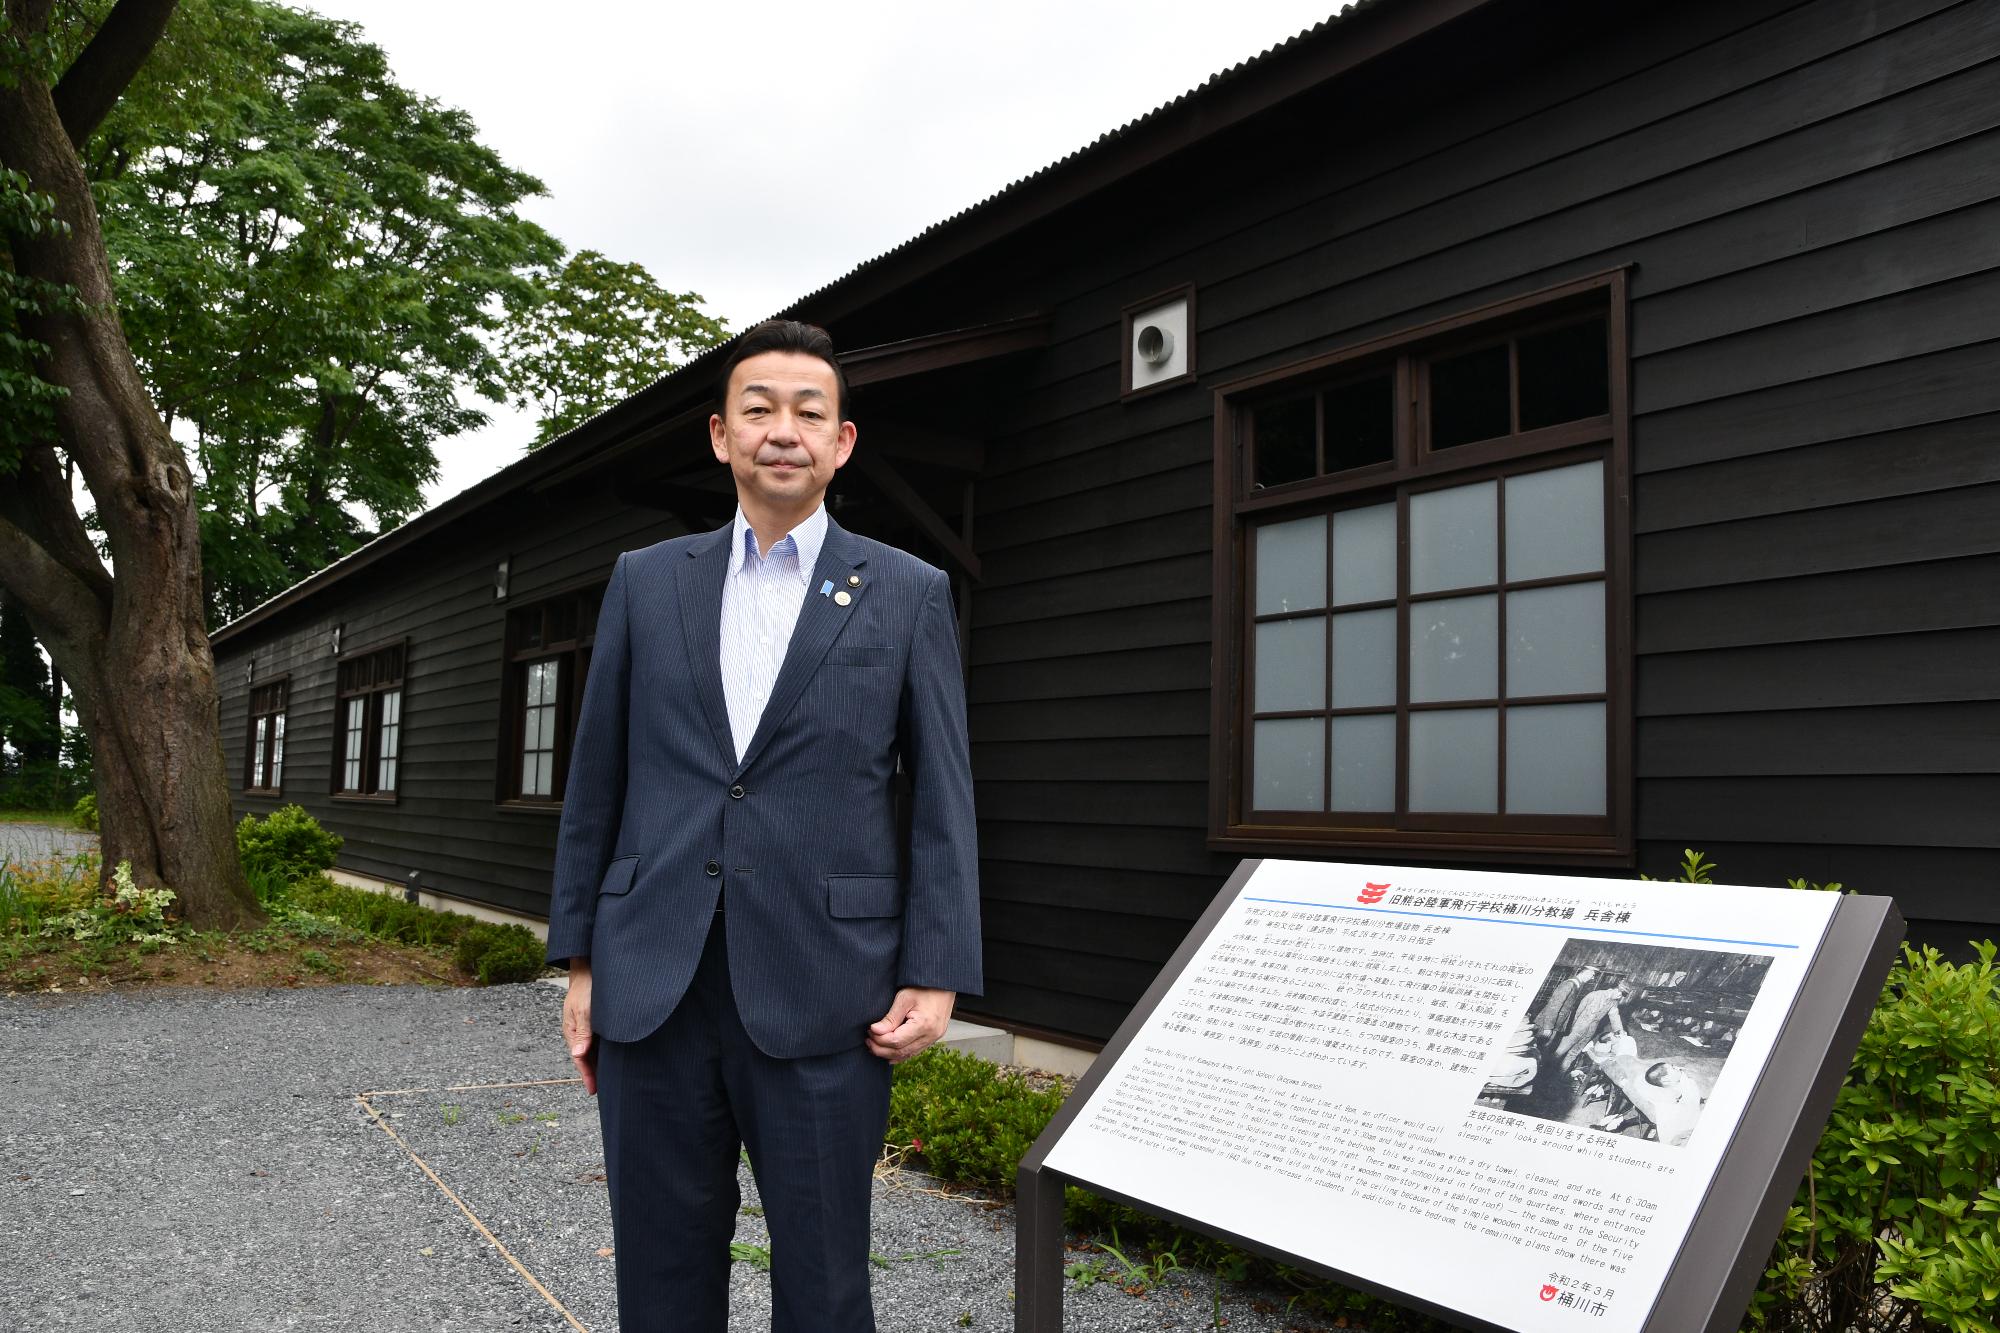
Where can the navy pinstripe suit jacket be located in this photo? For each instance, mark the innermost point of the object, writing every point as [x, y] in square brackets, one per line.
[829, 910]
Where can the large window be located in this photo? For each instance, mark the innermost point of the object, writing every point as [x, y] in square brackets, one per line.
[264, 747]
[1425, 601]
[368, 723]
[548, 659]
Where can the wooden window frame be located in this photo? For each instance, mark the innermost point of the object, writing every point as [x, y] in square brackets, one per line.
[517, 655]
[268, 699]
[386, 666]
[1239, 507]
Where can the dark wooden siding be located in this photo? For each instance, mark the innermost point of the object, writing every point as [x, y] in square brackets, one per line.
[438, 595]
[1808, 197]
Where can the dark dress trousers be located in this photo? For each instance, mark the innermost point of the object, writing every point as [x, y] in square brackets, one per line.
[749, 1022]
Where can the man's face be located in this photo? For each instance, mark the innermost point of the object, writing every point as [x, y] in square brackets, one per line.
[1587, 975]
[780, 431]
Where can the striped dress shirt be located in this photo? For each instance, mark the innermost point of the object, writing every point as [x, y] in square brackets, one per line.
[762, 595]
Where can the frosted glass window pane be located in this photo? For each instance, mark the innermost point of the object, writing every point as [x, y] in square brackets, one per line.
[386, 776]
[1291, 566]
[528, 784]
[1364, 555]
[1455, 761]
[1364, 658]
[1555, 759]
[531, 733]
[1453, 537]
[1454, 648]
[257, 754]
[1364, 762]
[1555, 522]
[1290, 762]
[278, 751]
[1555, 640]
[1291, 665]
[392, 707]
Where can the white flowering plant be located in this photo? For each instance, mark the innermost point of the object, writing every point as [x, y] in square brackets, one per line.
[130, 913]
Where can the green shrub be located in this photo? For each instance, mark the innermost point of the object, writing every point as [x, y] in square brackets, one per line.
[497, 954]
[85, 813]
[379, 914]
[1898, 1223]
[286, 845]
[971, 1121]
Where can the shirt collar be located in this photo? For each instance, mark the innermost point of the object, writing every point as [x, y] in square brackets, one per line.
[808, 536]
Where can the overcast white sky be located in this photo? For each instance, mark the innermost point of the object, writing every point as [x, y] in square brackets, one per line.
[754, 154]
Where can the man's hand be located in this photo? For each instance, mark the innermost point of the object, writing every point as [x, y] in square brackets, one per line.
[917, 1017]
[582, 1042]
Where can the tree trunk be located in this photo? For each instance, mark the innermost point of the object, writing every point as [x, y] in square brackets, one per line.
[133, 646]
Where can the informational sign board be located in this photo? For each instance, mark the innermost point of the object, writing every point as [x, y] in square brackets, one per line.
[1505, 1098]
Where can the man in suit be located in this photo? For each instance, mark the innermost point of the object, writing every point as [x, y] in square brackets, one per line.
[751, 941]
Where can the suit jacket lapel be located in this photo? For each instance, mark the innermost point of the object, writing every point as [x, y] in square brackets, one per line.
[701, 622]
[820, 622]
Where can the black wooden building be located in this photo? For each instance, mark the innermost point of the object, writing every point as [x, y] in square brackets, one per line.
[1534, 434]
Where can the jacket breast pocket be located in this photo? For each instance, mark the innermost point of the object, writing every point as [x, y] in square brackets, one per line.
[618, 876]
[864, 895]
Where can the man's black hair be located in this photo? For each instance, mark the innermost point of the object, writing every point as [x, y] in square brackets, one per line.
[1654, 1075]
[783, 335]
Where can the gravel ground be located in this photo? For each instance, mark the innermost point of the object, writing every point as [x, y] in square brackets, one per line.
[198, 1159]
[36, 842]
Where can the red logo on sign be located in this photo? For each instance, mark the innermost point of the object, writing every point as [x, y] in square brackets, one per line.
[1372, 893]
[1548, 1292]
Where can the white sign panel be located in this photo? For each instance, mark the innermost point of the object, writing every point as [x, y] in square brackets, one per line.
[1504, 1094]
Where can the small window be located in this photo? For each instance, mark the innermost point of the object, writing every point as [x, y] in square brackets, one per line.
[547, 661]
[368, 730]
[1344, 427]
[1542, 377]
[264, 754]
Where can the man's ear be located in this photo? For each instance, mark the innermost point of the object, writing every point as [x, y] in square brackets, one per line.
[843, 446]
[718, 438]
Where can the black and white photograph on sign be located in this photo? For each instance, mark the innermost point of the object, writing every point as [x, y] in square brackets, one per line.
[1625, 1039]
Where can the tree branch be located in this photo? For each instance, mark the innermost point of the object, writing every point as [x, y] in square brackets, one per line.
[37, 501]
[91, 86]
[66, 615]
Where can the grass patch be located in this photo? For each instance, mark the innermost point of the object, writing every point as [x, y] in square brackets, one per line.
[60, 818]
[58, 933]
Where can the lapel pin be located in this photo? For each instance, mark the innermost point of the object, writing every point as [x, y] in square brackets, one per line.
[842, 598]
[853, 580]
[826, 589]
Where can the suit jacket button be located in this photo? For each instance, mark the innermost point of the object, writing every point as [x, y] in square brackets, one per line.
[736, 792]
[713, 867]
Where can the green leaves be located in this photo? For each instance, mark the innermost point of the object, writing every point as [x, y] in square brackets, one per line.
[27, 401]
[313, 263]
[595, 331]
[1899, 1222]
